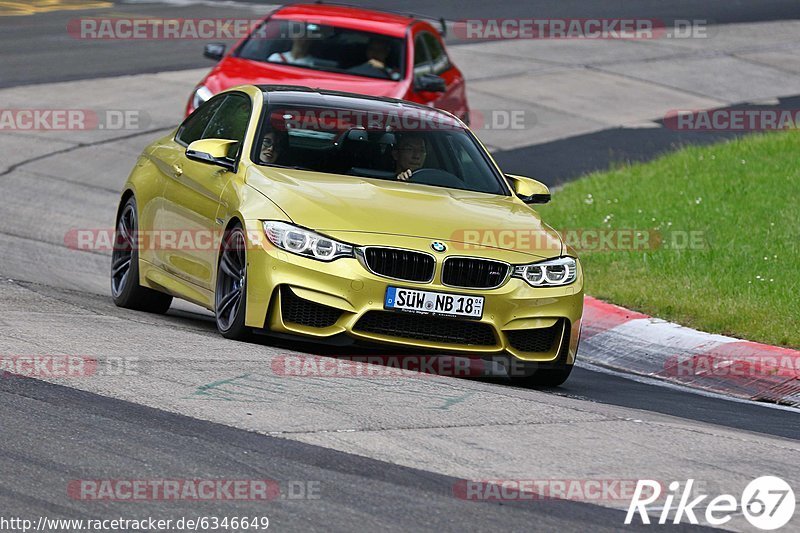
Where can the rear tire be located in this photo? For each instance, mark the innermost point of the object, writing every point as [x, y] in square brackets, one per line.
[125, 288]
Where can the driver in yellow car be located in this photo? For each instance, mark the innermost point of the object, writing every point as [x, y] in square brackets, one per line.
[409, 155]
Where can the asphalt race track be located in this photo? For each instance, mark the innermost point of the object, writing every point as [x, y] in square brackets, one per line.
[377, 453]
[36, 49]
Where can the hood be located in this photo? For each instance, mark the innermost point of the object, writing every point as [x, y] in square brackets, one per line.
[336, 205]
[233, 71]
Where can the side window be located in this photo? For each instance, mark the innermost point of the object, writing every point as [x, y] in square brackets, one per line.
[230, 120]
[422, 63]
[439, 61]
[468, 160]
[193, 127]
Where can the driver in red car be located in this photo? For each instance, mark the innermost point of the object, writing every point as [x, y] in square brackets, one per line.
[378, 51]
[409, 155]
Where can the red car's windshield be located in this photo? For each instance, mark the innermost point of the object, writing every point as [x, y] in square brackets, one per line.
[328, 48]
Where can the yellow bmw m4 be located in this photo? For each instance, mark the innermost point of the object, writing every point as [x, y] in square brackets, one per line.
[339, 218]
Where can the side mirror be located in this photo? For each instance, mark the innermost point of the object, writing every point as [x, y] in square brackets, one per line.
[430, 82]
[529, 190]
[214, 51]
[212, 152]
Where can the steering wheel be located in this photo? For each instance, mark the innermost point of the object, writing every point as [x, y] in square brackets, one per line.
[435, 176]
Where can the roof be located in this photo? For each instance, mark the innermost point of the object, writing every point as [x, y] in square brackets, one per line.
[304, 96]
[351, 17]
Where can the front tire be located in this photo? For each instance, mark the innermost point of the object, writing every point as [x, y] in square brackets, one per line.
[544, 377]
[125, 288]
[230, 296]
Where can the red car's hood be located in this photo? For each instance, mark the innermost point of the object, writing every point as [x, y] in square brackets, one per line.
[233, 71]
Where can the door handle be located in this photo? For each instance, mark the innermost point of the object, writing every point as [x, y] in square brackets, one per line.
[177, 170]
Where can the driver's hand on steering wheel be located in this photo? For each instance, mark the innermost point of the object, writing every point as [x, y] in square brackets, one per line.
[405, 175]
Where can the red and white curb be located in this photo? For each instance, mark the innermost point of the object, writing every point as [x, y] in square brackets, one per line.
[620, 339]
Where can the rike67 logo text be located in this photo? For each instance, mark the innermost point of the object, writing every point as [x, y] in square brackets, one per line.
[767, 502]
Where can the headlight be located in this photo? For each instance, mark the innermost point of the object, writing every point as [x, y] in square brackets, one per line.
[550, 273]
[301, 241]
[201, 95]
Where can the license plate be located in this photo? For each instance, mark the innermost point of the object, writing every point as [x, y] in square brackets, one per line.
[433, 303]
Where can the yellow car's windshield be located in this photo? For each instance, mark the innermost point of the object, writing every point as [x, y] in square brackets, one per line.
[394, 143]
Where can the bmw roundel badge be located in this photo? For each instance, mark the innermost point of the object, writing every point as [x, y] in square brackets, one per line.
[438, 246]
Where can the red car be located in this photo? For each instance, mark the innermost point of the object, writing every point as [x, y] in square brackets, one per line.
[341, 48]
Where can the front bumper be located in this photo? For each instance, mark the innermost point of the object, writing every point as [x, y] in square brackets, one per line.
[290, 294]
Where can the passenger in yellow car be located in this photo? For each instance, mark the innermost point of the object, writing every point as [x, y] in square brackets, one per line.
[271, 147]
[409, 155]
